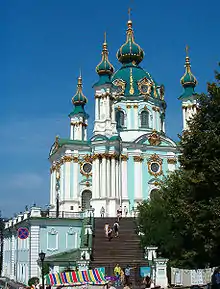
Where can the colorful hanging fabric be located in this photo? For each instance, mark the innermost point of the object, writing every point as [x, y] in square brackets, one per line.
[94, 276]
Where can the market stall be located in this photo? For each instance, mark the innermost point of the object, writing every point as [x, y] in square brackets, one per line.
[84, 279]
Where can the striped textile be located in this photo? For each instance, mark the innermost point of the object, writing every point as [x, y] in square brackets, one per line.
[92, 277]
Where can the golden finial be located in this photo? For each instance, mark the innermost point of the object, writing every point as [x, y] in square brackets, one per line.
[79, 83]
[105, 37]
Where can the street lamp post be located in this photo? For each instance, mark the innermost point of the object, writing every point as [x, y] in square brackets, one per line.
[42, 257]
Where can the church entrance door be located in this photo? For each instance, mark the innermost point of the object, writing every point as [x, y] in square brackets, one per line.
[86, 197]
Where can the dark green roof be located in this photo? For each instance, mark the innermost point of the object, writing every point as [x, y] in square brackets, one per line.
[103, 79]
[131, 74]
[64, 257]
[79, 110]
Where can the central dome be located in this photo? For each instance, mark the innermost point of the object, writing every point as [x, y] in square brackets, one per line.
[133, 80]
[130, 51]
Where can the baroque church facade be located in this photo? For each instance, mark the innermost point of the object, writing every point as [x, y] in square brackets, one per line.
[129, 152]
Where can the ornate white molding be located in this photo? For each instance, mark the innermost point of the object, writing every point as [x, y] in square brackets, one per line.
[52, 232]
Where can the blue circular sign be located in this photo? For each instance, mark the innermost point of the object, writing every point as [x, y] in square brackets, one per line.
[23, 233]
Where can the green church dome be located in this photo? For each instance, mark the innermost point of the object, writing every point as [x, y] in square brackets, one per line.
[79, 100]
[188, 78]
[133, 80]
[130, 51]
[104, 67]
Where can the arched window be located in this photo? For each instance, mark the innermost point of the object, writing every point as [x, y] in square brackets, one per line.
[86, 197]
[144, 119]
[120, 118]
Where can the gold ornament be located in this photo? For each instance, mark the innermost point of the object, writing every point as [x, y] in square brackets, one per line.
[154, 139]
[157, 160]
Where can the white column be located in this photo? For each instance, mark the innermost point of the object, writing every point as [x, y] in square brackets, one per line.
[135, 108]
[113, 169]
[108, 178]
[85, 133]
[75, 180]
[80, 132]
[12, 273]
[184, 118]
[94, 174]
[96, 108]
[51, 186]
[113, 112]
[116, 179]
[129, 117]
[66, 194]
[103, 185]
[71, 132]
[124, 179]
[157, 115]
[138, 180]
[34, 250]
[154, 119]
[98, 178]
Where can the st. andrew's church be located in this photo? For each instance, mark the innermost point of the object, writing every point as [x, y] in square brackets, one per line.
[129, 152]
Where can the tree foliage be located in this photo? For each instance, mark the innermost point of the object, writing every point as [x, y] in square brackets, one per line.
[183, 217]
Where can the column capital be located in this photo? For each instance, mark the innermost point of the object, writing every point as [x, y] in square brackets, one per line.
[124, 157]
[138, 158]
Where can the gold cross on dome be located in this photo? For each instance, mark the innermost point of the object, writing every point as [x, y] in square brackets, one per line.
[187, 50]
[129, 13]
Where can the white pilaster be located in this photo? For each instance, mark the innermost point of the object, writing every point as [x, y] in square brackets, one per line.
[124, 179]
[129, 124]
[66, 193]
[154, 120]
[80, 132]
[103, 190]
[75, 180]
[113, 172]
[85, 133]
[108, 178]
[135, 109]
[71, 132]
[138, 180]
[184, 117]
[34, 250]
[116, 179]
[51, 186]
[96, 108]
[113, 112]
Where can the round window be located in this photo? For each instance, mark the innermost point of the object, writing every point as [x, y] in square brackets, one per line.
[155, 167]
[87, 168]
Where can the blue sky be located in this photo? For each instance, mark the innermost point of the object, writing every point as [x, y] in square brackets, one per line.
[43, 45]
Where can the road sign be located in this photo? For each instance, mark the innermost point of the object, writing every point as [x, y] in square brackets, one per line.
[23, 233]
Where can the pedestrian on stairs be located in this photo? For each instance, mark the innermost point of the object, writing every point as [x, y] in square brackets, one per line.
[119, 213]
[109, 233]
[102, 212]
[116, 228]
[125, 211]
[128, 274]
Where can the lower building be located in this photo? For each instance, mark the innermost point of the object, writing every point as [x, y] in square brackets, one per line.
[32, 232]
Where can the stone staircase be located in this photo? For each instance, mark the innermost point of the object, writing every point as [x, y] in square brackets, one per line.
[124, 250]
